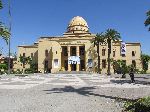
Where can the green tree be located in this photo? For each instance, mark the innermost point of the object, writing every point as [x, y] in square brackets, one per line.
[111, 35]
[28, 60]
[120, 65]
[98, 40]
[25, 60]
[147, 21]
[33, 65]
[4, 32]
[145, 59]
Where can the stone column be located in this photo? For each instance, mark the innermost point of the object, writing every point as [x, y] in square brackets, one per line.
[77, 53]
[69, 66]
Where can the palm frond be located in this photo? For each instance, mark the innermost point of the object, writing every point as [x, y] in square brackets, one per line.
[147, 21]
[4, 33]
[100, 38]
[112, 34]
[148, 13]
[1, 5]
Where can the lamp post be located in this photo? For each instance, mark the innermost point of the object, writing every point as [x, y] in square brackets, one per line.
[9, 13]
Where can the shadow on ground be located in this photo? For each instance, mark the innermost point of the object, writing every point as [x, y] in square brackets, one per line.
[142, 77]
[85, 91]
[129, 81]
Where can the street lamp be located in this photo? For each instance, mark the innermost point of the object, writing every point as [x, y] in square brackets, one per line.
[9, 13]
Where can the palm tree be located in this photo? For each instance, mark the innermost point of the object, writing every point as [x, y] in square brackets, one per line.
[147, 21]
[4, 32]
[98, 40]
[111, 35]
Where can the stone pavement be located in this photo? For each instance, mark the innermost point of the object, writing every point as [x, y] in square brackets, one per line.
[69, 92]
[17, 82]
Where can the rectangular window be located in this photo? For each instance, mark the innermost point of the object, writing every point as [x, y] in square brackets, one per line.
[134, 63]
[46, 53]
[133, 53]
[123, 55]
[90, 63]
[46, 64]
[114, 53]
[82, 50]
[103, 63]
[24, 54]
[103, 52]
[31, 55]
[56, 63]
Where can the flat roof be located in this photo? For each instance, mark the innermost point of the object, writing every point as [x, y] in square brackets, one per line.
[28, 46]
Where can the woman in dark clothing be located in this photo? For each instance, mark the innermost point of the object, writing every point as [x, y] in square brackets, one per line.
[132, 75]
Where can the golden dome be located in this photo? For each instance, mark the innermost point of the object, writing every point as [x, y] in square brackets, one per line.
[78, 25]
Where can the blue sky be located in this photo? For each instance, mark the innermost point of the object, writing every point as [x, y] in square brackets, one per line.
[32, 19]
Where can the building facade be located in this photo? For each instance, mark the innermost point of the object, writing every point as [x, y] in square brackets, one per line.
[74, 51]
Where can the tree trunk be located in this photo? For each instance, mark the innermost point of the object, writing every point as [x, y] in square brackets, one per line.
[109, 52]
[98, 58]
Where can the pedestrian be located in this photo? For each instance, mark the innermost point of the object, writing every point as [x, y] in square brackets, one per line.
[132, 75]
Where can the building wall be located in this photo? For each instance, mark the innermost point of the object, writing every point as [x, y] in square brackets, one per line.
[135, 47]
[27, 50]
[128, 57]
[54, 52]
[48, 50]
[76, 42]
[54, 48]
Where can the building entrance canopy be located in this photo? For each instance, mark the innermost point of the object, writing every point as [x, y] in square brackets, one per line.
[74, 60]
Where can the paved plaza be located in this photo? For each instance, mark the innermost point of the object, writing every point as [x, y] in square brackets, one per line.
[69, 92]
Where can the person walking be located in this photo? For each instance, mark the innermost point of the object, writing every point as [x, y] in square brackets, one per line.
[132, 75]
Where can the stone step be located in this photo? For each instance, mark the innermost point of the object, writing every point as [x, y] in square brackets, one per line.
[72, 72]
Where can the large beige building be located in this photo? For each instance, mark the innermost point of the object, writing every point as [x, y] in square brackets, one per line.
[74, 51]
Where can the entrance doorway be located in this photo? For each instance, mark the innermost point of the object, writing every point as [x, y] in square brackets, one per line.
[82, 65]
[73, 67]
[66, 65]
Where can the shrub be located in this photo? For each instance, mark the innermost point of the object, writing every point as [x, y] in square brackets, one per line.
[3, 66]
[18, 71]
[12, 72]
[1, 72]
[142, 72]
[140, 105]
[137, 71]
[29, 71]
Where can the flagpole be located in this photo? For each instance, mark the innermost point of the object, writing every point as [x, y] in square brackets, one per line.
[10, 36]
